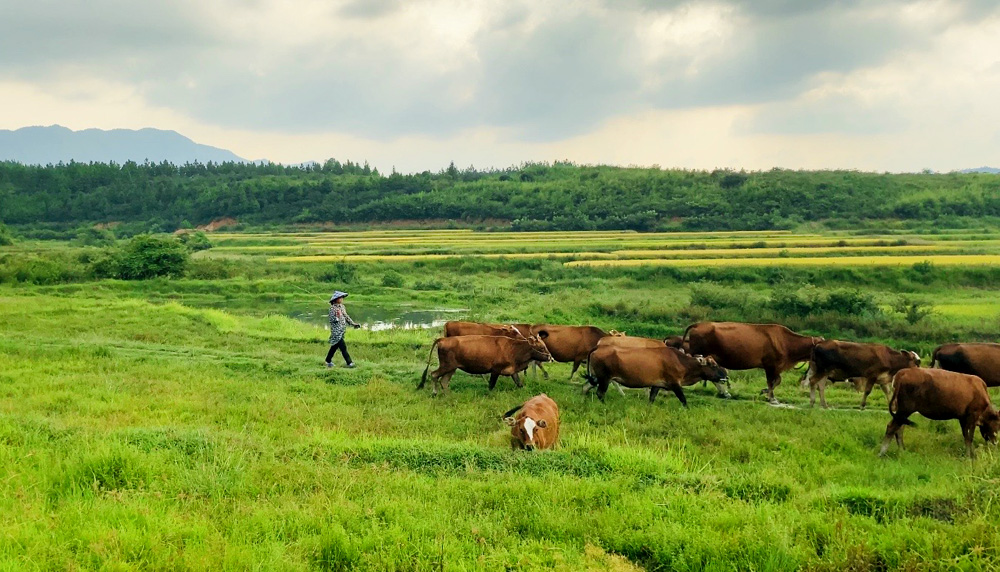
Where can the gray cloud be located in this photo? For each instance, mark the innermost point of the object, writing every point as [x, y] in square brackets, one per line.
[543, 74]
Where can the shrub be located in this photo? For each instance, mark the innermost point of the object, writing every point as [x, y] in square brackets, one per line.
[143, 257]
[392, 279]
[195, 241]
[91, 236]
[5, 237]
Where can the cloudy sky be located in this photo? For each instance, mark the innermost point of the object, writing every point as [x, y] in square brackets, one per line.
[413, 84]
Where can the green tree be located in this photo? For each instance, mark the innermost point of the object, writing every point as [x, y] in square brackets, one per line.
[147, 256]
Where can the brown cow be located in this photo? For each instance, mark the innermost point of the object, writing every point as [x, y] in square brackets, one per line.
[734, 345]
[536, 425]
[495, 355]
[940, 395]
[461, 328]
[569, 343]
[870, 364]
[655, 368]
[982, 360]
[629, 342]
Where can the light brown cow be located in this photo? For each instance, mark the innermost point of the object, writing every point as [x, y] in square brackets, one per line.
[869, 364]
[940, 395]
[982, 360]
[629, 342]
[655, 368]
[569, 343]
[454, 328]
[536, 425]
[495, 355]
[771, 347]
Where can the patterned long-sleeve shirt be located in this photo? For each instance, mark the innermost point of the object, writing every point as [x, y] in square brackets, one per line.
[339, 320]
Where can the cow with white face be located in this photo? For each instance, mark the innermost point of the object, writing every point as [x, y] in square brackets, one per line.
[536, 425]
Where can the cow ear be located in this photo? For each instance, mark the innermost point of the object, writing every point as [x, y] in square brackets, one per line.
[916, 356]
[541, 423]
[509, 421]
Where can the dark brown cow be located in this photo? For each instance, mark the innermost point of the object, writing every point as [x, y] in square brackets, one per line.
[495, 355]
[734, 345]
[655, 368]
[569, 343]
[536, 425]
[982, 360]
[940, 395]
[870, 364]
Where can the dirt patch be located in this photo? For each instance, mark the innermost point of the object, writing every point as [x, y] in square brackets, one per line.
[219, 224]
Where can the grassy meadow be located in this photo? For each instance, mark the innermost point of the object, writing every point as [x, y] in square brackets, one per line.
[188, 423]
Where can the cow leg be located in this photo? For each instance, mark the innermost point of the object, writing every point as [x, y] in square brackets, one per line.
[968, 432]
[893, 429]
[773, 381]
[493, 380]
[602, 388]
[444, 380]
[652, 393]
[538, 364]
[869, 385]
[576, 366]
[679, 392]
[517, 380]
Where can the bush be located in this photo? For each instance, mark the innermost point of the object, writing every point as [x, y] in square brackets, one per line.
[143, 257]
[195, 241]
[809, 300]
[5, 237]
[92, 236]
[392, 279]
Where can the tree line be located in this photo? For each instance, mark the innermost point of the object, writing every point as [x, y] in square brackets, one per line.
[532, 196]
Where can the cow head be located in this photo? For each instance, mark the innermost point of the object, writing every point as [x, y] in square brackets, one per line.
[524, 430]
[711, 370]
[914, 358]
[539, 351]
[989, 425]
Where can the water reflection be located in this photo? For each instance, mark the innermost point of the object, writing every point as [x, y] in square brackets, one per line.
[378, 319]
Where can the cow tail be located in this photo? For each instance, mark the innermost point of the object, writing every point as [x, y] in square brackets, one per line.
[423, 378]
[894, 407]
[687, 334]
[587, 375]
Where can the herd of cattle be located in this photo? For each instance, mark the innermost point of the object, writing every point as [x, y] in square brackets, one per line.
[954, 387]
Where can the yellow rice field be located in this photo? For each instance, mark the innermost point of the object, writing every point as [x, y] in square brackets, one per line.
[890, 260]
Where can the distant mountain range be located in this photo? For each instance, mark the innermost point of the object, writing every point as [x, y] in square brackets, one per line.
[992, 170]
[44, 145]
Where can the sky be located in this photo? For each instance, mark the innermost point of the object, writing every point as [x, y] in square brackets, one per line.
[874, 85]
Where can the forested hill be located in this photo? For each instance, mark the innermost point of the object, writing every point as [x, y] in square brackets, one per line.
[533, 196]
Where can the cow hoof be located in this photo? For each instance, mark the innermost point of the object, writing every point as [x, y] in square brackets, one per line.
[774, 401]
[724, 395]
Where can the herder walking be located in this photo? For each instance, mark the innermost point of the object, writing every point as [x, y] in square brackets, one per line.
[339, 320]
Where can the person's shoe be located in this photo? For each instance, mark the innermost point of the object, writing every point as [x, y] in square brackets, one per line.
[351, 365]
[328, 364]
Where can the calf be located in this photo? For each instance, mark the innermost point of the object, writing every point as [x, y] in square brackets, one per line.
[981, 360]
[940, 395]
[536, 425]
[655, 368]
[872, 364]
[495, 355]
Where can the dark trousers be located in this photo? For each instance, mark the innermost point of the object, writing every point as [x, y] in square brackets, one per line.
[342, 346]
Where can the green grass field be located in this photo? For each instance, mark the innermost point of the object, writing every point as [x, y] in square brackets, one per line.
[188, 423]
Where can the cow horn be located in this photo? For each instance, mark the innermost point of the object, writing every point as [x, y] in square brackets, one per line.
[509, 421]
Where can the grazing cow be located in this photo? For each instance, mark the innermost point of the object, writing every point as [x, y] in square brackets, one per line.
[982, 360]
[940, 395]
[495, 355]
[655, 368]
[734, 345]
[460, 328]
[569, 343]
[629, 342]
[871, 364]
[536, 425]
